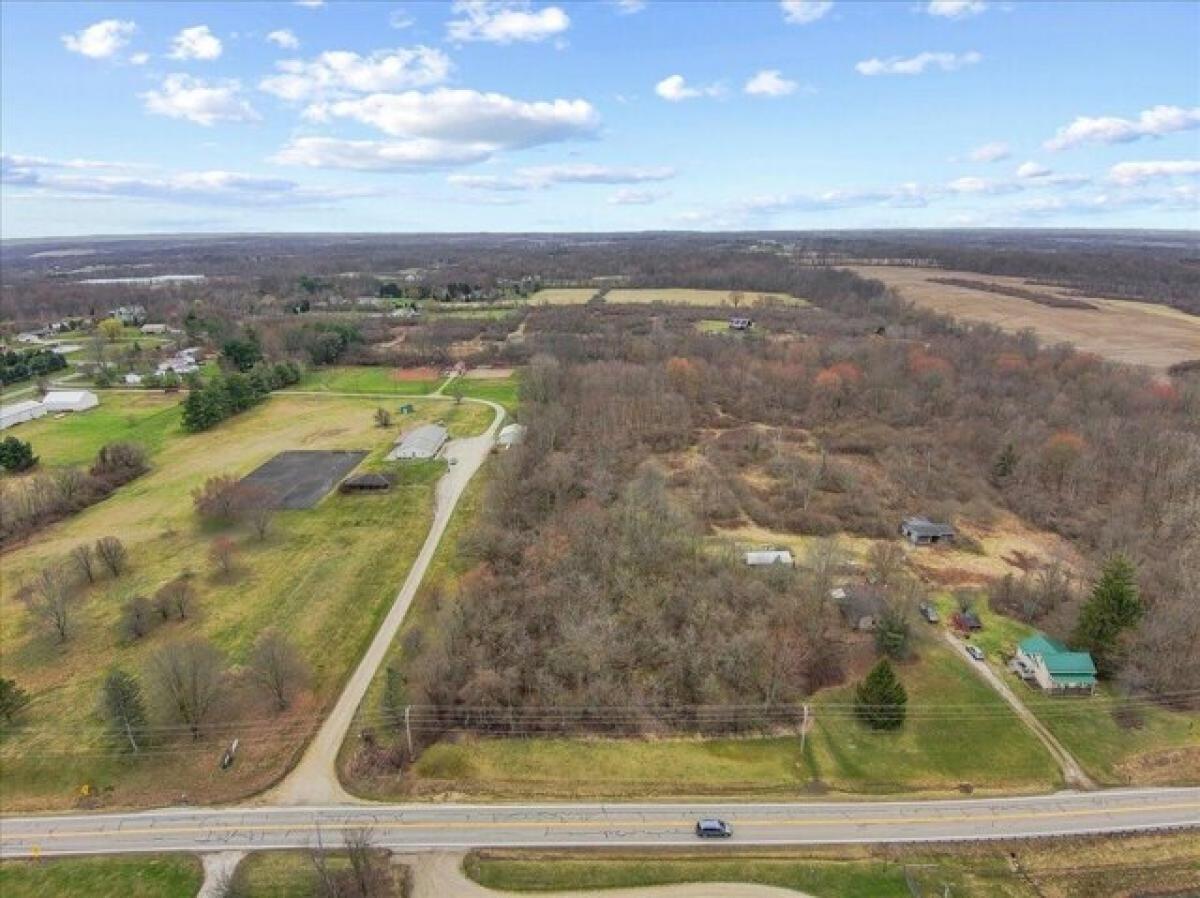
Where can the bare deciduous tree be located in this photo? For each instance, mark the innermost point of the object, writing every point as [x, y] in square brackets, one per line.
[175, 597]
[223, 554]
[112, 552]
[277, 667]
[85, 561]
[52, 598]
[187, 678]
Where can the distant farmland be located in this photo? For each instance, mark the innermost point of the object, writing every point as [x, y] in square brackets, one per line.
[1121, 330]
[682, 296]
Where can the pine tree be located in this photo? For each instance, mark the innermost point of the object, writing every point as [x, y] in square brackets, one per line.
[880, 700]
[123, 706]
[1005, 464]
[1113, 608]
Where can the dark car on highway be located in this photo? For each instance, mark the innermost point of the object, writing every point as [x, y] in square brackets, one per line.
[713, 829]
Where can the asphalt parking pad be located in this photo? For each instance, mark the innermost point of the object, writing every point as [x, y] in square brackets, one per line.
[300, 478]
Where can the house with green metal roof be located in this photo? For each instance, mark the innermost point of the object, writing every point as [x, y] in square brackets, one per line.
[1057, 669]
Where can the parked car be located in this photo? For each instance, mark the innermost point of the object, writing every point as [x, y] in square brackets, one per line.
[975, 652]
[929, 612]
[713, 829]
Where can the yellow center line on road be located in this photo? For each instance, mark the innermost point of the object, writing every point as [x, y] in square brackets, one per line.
[983, 816]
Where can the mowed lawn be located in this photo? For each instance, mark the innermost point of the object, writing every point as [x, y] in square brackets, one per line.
[504, 391]
[157, 876]
[1156, 747]
[288, 874]
[323, 575]
[74, 438]
[1100, 867]
[371, 379]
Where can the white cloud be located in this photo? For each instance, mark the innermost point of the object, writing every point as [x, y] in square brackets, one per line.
[801, 12]
[674, 88]
[284, 38]
[770, 83]
[628, 196]
[199, 101]
[990, 152]
[338, 73]
[915, 65]
[1128, 173]
[400, 20]
[103, 40]
[197, 42]
[955, 9]
[311, 4]
[1032, 170]
[417, 154]
[629, 7]
[187, 187]
[139, 59]
[466, 116]
[1153, 122]
[543, 176]
[504, 21]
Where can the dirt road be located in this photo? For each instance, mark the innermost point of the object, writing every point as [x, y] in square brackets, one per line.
[315, 780]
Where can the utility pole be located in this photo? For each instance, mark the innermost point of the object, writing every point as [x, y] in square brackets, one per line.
[408, 732]
[804, 729]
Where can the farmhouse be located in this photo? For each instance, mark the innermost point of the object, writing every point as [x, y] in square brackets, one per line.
[511, 434]
[861, 605]
[154, 328]
[19, 412]
[924, 532]
[422, 442]
[70, 401]
[1055, 668]
[740, 324]
[767, 557]
[130, 315]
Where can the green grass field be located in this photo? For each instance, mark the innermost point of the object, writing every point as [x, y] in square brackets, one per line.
[503, 391]
[1103, 867]
[367, 379]
[323, 575]
[1164, 748]
[160, 876]
[75, 438]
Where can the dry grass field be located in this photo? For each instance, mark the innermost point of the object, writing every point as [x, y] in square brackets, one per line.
[1137, 333]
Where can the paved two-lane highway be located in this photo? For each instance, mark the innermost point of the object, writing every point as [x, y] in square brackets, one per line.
[426, 827]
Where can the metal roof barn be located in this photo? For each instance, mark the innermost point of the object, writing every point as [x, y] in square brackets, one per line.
[422, 442]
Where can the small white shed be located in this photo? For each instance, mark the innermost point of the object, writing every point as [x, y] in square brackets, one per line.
[511, 434]
[19, 412]
[763, 557]
[70, 401]
[133, 380]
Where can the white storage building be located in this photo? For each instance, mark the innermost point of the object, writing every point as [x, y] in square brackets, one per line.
[761, 557]
[421, 442]
[70, 401]
[511, 434]
[20, 412]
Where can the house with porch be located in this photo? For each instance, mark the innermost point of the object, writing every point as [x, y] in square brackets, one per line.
[1055, 668]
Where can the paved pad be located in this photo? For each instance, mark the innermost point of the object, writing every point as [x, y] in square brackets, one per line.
[300, 478]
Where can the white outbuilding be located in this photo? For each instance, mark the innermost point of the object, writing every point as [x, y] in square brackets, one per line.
[425, 441]
[764, 557]
[70, 401]
[511, 434]
[19, 412]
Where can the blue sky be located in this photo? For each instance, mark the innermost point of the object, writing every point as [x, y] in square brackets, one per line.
[621, 115]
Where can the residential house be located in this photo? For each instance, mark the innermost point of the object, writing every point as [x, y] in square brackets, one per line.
[861, 604]
[425, 441]
[740, 324]
[1056, 669]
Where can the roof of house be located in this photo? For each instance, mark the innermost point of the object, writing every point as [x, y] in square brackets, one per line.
[1061, 662]
[926, 527]
[427, 438]
[859, 600]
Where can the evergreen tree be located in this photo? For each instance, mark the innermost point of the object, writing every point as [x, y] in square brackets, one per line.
[1113, 608]
[123, 708]
[1005, 464]
[12, 699]
[893, 634]
[16, 455]
[880, 699]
